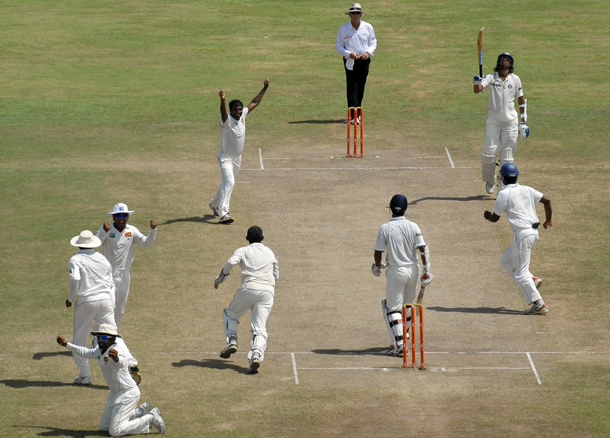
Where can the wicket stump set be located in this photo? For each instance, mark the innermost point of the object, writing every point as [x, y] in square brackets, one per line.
[405, 345]
[356, 122]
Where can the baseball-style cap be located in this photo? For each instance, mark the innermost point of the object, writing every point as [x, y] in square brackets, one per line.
[106, 329]
[86, 239]
[120, 208]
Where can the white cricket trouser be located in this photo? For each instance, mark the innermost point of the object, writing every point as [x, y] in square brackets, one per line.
[401, 285]
[259, 302]
[516, 261]
[229, 167]
[119, 416]
[500, 134]
[96, 310]
[122, 279]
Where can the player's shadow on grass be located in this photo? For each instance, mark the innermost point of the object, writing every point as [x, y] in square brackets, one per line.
[376, 351]
[54, 431]
[318, 122]
[21, 384]
[495, 310]
[39, 356]
[443, 198]
[214, 364]
[205, 219]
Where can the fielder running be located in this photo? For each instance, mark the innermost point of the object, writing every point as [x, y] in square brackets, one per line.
[232, 138]
[401, 239]
[118, 246]
[259, 271]
[121, 415]
[92, 289]
[502, 121]
[519, 203]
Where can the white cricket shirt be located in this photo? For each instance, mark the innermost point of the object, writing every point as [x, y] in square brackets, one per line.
[519, 203]
[90, 275]
[259, 267]
[233, 134]
[502, 95]
[399, 239]
[359, 41]
[119, 247]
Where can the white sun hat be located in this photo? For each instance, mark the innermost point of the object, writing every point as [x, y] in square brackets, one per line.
[106, 329]
[355, 7]
[120, 208]
[86, 239]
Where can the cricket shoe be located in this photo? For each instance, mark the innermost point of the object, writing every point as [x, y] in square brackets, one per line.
[227, 219]
[489, 188]
[157, 420]
[230, 349]
[536, 309]
[143, 409]
[255, 364]
[82, 380]
[537, 282]
[215, 210]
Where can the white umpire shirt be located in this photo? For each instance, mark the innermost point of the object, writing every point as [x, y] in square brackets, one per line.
[233, 134]
[399, 239]
[259, 267]
[119, 247]
[90, 275]
[519, 203]
[351, 40]
[502, 95]
[117, 374]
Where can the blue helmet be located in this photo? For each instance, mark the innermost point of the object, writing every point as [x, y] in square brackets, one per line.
[512, 61]
[509, 170]
[399, 204]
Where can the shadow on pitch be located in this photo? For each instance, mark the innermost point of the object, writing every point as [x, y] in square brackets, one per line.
[40, 356]
[54, 431]
[377, 351]
[214, 364]
[21, 384]
[205, 219]
[318, 122]
[441, 198]
[493, 310]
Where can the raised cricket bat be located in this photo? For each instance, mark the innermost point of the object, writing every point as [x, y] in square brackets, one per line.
[480, 48]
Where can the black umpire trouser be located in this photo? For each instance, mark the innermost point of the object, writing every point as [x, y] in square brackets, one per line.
[356, 81]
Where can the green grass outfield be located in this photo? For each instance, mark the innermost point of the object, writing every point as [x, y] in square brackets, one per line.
[105, 102]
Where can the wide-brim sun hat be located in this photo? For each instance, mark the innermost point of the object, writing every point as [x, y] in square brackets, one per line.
[86, 239]
[120, 208]
[106, 329]
[355, 7]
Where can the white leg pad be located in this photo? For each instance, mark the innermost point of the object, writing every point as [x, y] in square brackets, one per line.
[394, 323]
[488, 167]
[258, 345]
[230, 324]
[506, 156]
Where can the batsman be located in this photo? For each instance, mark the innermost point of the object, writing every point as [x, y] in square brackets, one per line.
[503, 125]
[402, 241]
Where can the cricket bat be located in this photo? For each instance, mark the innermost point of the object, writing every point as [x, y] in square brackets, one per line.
[480, 49]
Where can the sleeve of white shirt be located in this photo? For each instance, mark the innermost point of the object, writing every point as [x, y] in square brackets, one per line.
[372, 42]
[74, 281]
[419, 239]
[380, 244]
[101, 233]
[276, 269]
[339, 44]
[518, 86]
[501, 203]
[536, 194]
[234, 260]
[142, 240]
[90, 353]
[486, 81]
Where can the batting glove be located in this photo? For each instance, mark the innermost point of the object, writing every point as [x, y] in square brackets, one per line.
[478, 80]
[426, 279]
[221, 277]
[524, 130]
[376, 270]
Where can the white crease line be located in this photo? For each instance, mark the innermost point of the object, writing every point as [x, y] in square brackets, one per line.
[534, 368]
[260, 156]
[449, 156]
[362, 168]
[294, 368]
[401, 367]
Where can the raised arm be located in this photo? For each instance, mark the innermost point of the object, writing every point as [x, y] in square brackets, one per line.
[258, 97]
[223, 106]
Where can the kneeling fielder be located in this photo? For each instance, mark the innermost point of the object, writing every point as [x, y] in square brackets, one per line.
[400, 239]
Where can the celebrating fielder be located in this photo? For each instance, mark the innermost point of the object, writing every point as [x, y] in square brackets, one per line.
[232, 139]
[259, 270]
[400, 239]
[519, 203]
[502, 121]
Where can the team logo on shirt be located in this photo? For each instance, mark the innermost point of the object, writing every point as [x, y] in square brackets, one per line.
[112, 235]
[128, 234]
[106, 359]
[510, 87]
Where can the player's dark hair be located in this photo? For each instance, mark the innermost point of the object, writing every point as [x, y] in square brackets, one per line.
[512, 62]
[255, 234]
[235, 103]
